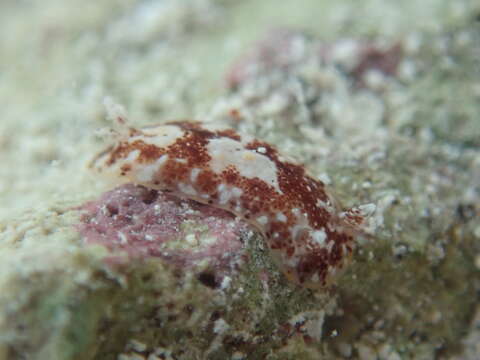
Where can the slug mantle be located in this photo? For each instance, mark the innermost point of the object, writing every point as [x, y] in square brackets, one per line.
[305, 228]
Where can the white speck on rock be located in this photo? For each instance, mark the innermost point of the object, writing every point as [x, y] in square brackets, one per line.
[220, 326]
[137, 345]
[226, 282]
[122, 237]
[191, 239]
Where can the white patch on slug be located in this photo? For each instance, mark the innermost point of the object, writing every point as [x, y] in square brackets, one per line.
[194, 174]
[227, 193]
[319, 236]
[226, 152]
[281, 217]
[132, 156]
[161, 136]
[237, 192]
[146, 173]
[262, 220]
[187, 189]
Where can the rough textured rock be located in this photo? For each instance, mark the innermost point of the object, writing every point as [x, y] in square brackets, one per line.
[396, 128]
[146, 223]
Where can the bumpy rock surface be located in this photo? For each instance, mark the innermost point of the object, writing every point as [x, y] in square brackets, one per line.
[379, 99]
[147, 223]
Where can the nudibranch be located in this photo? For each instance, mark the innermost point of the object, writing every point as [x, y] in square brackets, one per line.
[304, 226]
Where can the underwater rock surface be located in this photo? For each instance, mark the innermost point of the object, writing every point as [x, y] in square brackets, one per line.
[379, 100]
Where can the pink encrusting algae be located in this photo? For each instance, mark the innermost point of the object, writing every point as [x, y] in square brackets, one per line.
[148, 223]
[284, 49]
[308, 233]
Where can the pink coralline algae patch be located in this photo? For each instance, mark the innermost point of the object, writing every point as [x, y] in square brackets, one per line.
[308, 233]
[283, 49]
[148, 223]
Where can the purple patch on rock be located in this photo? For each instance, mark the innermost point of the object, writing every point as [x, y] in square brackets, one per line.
[284, 49]
[148, 223]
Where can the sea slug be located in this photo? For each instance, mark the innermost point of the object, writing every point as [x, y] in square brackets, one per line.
[308, 233]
